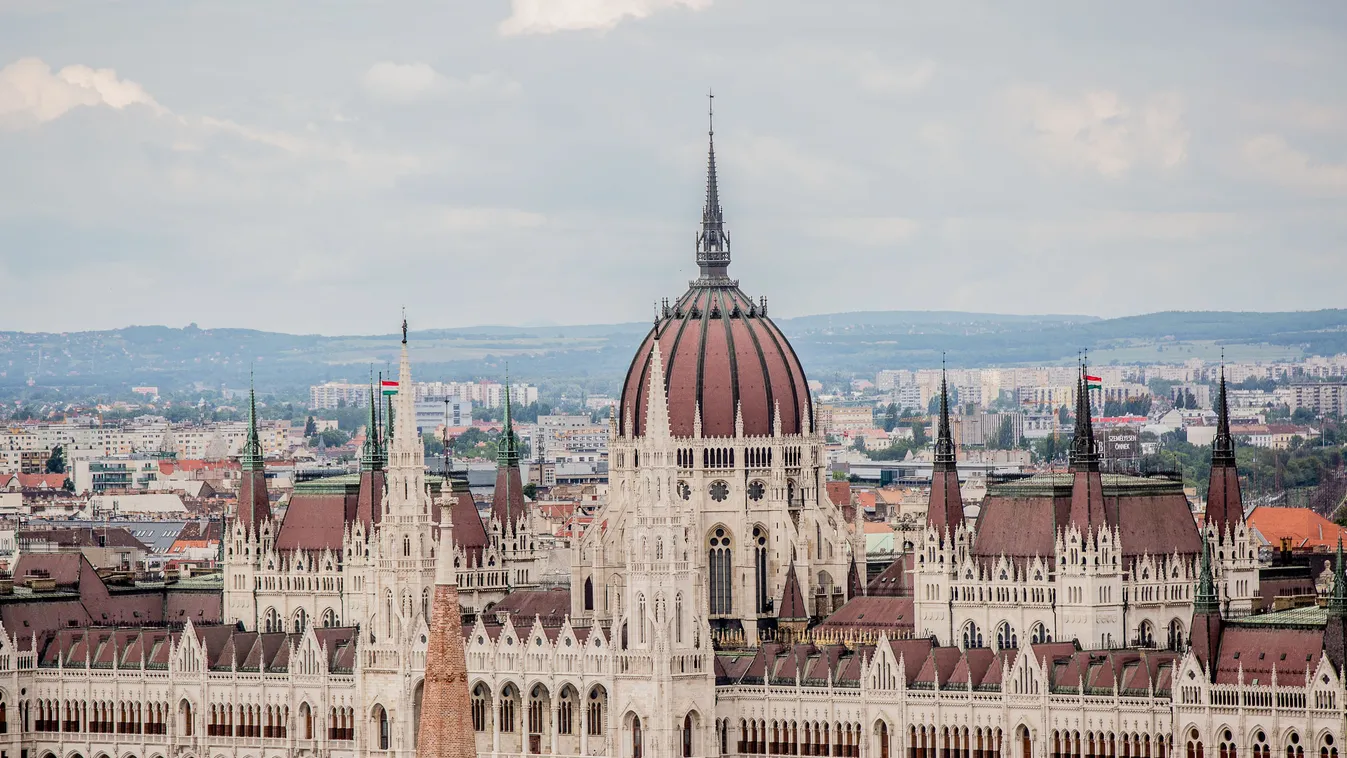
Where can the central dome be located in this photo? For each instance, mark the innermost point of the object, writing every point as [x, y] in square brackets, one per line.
[721, 354]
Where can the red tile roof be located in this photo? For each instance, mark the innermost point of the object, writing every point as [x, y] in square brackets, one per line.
[1305, 528]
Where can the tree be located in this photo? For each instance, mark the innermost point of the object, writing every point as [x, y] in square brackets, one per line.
[1046, 449]
[530, 490]
[919, 437]
[1063, 415]
[1005, 436]
[310, 427]
[334, 437]
[891, 417]
[56, 461]
[68, 485]
[1302, 416]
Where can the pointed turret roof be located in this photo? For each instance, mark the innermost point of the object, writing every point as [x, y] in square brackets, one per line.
[1225, 508]
[944, 509]
[446, 724]
[792, 599]
[254, 505]
[507, 501]
[855, 587]
[1207, 622]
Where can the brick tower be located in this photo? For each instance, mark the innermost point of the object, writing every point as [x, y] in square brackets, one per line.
[446, 718]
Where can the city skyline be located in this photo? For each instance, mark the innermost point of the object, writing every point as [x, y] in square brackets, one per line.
[1184, 165]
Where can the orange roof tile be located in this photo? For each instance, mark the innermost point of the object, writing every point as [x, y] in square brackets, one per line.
[1304, 527]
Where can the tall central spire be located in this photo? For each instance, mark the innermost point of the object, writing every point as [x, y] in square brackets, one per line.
[1223, 447]
[713, 244]
[944, 441]
[1084, 455]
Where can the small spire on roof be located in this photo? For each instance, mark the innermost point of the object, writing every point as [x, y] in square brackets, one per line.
[1207, 601]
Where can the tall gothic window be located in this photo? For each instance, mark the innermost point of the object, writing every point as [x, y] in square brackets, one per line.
[589, 593]
[722, 569]
[760, 564]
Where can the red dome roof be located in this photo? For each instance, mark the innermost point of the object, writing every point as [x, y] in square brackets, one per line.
[720, 352]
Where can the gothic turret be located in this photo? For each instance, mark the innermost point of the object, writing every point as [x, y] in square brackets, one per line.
[944, 511]
[1087, 491]
[254, 507]
[369, 503]
[1224, 507]
[507, 502]
[1335, 631]
[1207, 622]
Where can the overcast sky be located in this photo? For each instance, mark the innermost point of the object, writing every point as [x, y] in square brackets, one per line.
[313, 167]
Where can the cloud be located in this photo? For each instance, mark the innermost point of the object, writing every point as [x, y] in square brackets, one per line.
[867, 231]
[1272, 157]
[549, 16]
[31, 95]
[1100, 131]
[412, 82]
[879, 77]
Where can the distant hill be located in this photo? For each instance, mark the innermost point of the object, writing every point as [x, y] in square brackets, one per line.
[598, 354]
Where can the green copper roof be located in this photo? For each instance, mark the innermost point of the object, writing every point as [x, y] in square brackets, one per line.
[343, 484]
[1309, 616]
[251, 458]
[1059, 484]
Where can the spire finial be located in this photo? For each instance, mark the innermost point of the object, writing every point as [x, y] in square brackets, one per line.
[252, 458]
[713, 244]
[1223, 446]
[404, 324]
[944, 441]
[1084, 455]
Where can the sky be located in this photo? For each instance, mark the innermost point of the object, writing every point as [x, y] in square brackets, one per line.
[316, 167]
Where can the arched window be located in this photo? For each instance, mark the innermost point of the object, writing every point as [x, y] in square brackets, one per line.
[589, 593]
[329, 618]
[301, 620]
[425, 604]
[1039, 634]
[566, 712]
[1176, 635]
[306, 718]
[972, 636]
[480, 702]
[1194, 744]
[1146, 634]
[721, 563]
[760, 568]
[1328, 747]
[595, 712]
[1006, 639]
[882, 732]
[1227, 744]
[1260, 747]
[271, 621]
[507, 696]
[1294, 749]
[678, 618]
[687, 736]
[636, 737]
[640, 618]
[381, 719]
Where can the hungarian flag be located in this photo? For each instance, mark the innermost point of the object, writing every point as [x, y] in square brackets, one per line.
[389, 388]
[1093, 382]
